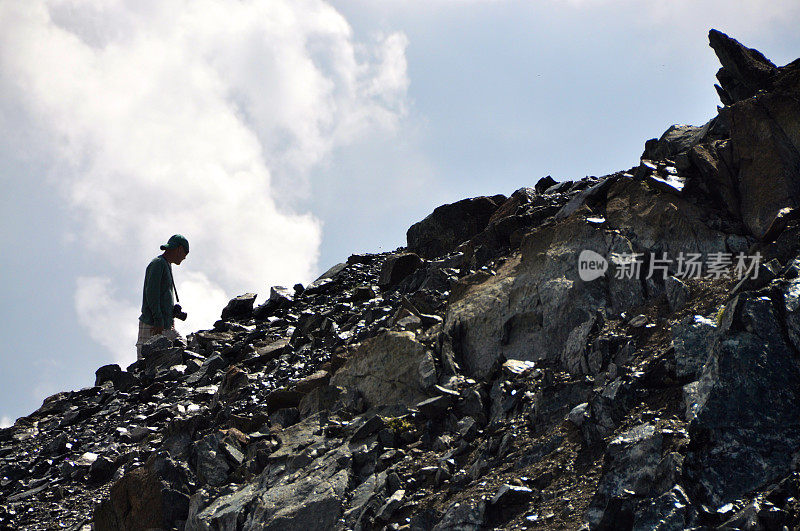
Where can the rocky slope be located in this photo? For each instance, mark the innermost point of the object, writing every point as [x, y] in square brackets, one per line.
[476, 379]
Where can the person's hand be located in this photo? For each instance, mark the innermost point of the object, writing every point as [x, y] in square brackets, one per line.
[158, 330]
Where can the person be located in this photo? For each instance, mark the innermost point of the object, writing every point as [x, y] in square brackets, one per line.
[157, 304]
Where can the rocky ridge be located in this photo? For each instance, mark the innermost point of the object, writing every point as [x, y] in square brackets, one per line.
[474, 380]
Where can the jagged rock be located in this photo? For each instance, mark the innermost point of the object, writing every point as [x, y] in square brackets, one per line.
[106, 373]
[765, 143]
[285, 417]
[676, 139]
[310, 501]
[745, 404]
[232, 383]
[718, 175]
[398, 267]
[137, 501]
[463, 516]
[578, 414]
[633, 468]
[450, 225]
[324, 398]
[241, 431]
[791, 306]
[588, 197]
[279, 298]
[511, 495]
[691, 339]
[240, 307]
[101, 470]
[387, 369]
[660, 222]
[283, 398]
[372, 424]
[436, 407]
[156, 344]
[744, 71]
[391, 505]
[671, 510]
[212, 468]
[544, 183]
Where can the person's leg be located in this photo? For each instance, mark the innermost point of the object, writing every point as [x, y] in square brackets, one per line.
[145, 333]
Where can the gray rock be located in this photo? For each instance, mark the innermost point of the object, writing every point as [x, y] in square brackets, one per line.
[692, 338]
[387, 369]
[212, 468]
[676, 139]
[544, 183]
[550, 312]
[392, 504]
[677, 293]
[578, 414]
[766, 149]
[373, 424]
[463, 516]
[436, 407]
[106, 373]
[744, 71]
[633, 466]
[672, 511]
[745, 408]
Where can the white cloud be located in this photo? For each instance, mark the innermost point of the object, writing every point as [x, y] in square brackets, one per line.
[5, 422]
[203, 299]
[199, 117]
[109, 321]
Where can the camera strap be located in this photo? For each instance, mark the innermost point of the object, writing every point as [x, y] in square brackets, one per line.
[172, 280]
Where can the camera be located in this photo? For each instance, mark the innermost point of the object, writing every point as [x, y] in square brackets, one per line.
[178, 313]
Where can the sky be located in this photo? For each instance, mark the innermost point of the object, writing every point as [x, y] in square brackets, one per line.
[281, 136]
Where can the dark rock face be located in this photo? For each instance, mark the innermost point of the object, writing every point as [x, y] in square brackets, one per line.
[450, 225]
[745, 403]
[744, 71]
[480, 379]
[239, 307]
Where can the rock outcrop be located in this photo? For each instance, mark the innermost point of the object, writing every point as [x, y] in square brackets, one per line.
[616, 352]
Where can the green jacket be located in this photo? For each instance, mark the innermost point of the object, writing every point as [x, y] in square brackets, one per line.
[157, 302]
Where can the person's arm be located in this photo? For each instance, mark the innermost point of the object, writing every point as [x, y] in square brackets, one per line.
[152, 294]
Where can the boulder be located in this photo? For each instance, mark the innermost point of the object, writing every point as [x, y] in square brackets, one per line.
[106, 373]
[135, 502]
[450, 225]
[544, 183]
[398, 267]
[676, 139]
[677, 293]
[671, 510]
[149, 497]
[468, 515]
[387, 369]
[240, 307]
